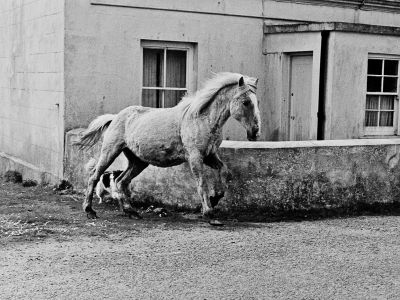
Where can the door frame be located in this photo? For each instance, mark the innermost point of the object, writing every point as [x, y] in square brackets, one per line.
[286, 84]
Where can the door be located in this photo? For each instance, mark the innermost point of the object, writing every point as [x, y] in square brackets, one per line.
[300, 97]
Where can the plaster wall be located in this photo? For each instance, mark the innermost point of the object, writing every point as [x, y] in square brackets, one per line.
[103, 52]
[347, 85]
[32, 87]
[290, 10]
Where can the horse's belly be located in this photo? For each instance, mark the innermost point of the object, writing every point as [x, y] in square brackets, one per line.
[162, 152]
[154, 138]
[162, 155]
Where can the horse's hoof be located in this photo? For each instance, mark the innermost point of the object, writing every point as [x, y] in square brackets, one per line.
[92, 215]
[208, 215]
[214, 200]
[228, 175]
[131, 212]
[215, 223]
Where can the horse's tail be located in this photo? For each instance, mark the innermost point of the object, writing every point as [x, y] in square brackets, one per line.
[94, 131]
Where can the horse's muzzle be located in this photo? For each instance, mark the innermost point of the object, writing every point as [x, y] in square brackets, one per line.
[253, 135]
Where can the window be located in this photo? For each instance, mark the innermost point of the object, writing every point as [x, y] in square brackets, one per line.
[381, 110]
[166, 68]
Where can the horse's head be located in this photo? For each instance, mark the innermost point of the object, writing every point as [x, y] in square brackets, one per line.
[244, 107]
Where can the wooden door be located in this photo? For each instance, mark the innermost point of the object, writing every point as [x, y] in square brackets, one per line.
[300, 97]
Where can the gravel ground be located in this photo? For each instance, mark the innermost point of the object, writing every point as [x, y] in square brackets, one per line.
[48, 250]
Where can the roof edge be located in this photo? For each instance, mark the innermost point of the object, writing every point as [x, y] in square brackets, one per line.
[368, 5]
[332, 26]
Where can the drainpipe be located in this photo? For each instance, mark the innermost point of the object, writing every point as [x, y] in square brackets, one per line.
[322, 85]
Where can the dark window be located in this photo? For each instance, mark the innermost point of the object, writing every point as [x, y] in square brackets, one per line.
[164, 76]
[382, 93]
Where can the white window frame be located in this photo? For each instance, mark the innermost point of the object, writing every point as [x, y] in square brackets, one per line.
[384, 130]
[163, 45]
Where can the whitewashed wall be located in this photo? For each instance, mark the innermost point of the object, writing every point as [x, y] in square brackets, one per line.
[32, 87]
[346, 90]
[103, 54]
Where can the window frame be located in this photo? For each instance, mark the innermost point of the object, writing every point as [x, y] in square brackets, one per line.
[167, 45]
[383, 130]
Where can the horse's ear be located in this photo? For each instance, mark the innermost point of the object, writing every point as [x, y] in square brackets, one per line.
[241, 81]
[256, 81]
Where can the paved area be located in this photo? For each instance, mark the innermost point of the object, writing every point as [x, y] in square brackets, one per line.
[62, 255]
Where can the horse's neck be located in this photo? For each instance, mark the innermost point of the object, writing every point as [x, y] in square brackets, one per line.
[219, 109]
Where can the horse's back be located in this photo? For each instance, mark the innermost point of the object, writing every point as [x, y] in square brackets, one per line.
[153, 135]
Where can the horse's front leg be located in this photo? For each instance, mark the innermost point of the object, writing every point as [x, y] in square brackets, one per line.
[195, 160]
[213, 161]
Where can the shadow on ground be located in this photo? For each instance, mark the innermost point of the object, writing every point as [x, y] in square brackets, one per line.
[37, 212]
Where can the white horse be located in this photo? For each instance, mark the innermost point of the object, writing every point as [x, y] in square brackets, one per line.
[164, 137]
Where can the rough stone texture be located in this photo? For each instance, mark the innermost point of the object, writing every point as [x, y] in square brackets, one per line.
[272, 178]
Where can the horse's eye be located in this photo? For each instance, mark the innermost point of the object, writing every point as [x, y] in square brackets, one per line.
[246, 102]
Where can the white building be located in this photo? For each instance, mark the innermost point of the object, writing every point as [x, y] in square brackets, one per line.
[328, 69]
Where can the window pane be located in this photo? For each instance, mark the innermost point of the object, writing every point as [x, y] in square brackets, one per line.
[374, 84]
[387, 102]
[172, 98]
[390, 84]
[176, 68]
[372, 102]
[386, 118]
[375, 66]
[151, 98]
[371, 118]
[153, 63]
[391, 67]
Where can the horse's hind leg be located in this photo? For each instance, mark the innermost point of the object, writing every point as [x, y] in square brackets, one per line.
[109, 152]
[121, 188]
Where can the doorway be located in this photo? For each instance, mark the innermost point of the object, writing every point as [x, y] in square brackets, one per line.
[300, 96]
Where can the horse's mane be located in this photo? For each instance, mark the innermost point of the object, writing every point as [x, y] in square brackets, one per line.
[199, 100]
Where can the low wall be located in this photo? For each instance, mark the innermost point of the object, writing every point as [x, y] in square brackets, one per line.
[277, 177]
[28, 170]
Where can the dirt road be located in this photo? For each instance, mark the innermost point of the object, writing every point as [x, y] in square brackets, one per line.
[49, 250]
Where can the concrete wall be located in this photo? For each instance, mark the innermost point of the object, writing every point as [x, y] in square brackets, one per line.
[345, 78]
[331, 12]
[275, 178]
[91, 49]
[32, 87]
[103, 54]
[347, 85]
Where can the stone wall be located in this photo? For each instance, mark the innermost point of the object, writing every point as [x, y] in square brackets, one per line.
[275, 178]
[32, 87]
